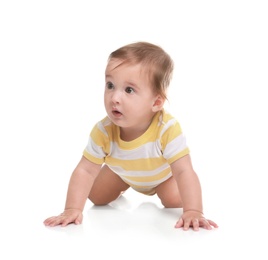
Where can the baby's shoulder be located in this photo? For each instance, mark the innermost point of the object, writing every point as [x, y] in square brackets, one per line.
[107, 127]
[165, 119]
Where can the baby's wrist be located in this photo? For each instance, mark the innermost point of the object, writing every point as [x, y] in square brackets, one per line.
[67, 209]
[195, 210]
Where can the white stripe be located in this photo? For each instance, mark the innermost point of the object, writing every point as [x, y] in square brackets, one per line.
[123, 173]
[147, 150]
[174, 147]
[102, 129]
[93, 149]
[168, 124]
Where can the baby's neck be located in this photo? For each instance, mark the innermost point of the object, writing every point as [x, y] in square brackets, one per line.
[130, 134]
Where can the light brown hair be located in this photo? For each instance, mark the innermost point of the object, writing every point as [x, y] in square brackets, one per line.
[153, 58]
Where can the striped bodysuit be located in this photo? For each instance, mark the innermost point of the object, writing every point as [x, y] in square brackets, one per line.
[143, 163]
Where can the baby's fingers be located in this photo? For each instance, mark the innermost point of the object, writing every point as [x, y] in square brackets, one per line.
[212, 223]
[207, 224]
[61, 220]
[68, 220]
[52, 221]
[204, 223]
[179, 223]
[195, 223]
[185, 223]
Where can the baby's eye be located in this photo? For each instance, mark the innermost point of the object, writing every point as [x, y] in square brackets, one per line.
[129, 90]
[109, 85]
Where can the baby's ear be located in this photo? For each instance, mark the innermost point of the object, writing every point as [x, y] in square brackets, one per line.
[158, 103]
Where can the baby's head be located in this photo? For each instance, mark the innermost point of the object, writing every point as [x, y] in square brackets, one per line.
[154, 61]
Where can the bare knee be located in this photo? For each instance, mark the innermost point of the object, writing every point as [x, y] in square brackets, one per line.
[100, 200]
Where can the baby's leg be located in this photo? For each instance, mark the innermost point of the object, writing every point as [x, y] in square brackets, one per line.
[107, 187]
[169, 194]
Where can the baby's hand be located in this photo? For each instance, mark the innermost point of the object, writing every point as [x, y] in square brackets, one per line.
[68, 216]
[195, 220]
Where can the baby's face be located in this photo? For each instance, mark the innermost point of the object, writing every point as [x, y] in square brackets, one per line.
[129, 98]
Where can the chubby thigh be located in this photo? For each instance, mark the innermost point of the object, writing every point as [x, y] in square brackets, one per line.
[107, 187]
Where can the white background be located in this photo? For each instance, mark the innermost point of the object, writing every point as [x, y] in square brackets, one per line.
[52, 60]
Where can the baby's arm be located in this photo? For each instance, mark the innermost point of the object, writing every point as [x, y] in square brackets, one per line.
[191, 195]
[80, 185]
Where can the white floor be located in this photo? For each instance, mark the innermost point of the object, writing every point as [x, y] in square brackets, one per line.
[133, 227]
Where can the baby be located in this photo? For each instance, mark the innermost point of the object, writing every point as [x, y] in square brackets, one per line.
[138, 144]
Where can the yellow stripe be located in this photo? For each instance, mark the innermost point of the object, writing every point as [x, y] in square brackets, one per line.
[92, 158]
[97, 136]
[170, 135]
[179, 155]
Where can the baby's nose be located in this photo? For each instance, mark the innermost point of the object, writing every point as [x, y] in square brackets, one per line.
[116, 97]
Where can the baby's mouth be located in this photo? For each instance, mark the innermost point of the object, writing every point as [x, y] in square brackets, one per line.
[116, 113]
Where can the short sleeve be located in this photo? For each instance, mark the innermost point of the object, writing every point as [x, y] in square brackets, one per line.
[173, 142]
[96, 149]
